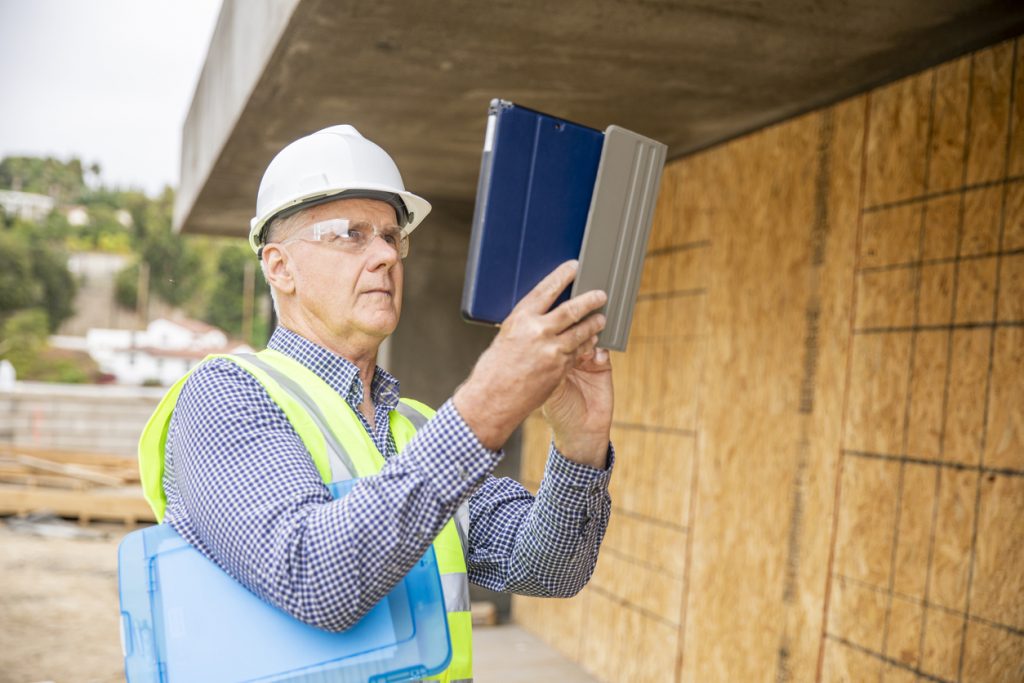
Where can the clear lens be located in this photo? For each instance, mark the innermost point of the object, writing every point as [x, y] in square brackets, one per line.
[354, 236]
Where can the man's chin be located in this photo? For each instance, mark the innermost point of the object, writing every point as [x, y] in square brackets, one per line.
[381, 326]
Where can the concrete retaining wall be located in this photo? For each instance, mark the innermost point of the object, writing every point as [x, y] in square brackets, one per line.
[100, 418]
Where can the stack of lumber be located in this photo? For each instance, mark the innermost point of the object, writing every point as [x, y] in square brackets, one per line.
[80, 485]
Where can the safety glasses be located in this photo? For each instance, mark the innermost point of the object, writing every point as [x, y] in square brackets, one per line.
[352, 236]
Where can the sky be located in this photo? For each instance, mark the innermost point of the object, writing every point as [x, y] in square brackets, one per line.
[108, 81]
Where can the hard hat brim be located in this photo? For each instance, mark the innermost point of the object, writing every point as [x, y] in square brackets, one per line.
[417, 208]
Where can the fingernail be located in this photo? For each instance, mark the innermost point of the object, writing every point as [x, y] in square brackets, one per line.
[574, 263]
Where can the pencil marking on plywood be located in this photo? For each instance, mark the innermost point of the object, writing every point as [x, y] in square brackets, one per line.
[812, 315]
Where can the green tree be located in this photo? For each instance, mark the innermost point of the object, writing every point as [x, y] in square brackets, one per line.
[174, 267]
[225, 302]
[34, 273]
[24, 335]
[126, 287]
[62, 180]
[50, 270]
[23, 341]
[17, 287]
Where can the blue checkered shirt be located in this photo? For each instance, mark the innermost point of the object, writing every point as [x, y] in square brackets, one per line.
[242, 488]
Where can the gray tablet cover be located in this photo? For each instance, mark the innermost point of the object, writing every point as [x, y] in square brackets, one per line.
[619, 222]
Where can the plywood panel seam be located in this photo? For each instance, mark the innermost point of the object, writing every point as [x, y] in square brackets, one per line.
[673, 294]
[950, 464]
[688, 556]
[888, 660]
[952, 327]
[673, 248]
[698, 445]
[623, 602]
[932, 605]
[955, 191]
[988, 379]
[653, 428]
[846, 389]
[941, 261]
[630, 558]
[619, 510]
[910, 369]
[949, 363]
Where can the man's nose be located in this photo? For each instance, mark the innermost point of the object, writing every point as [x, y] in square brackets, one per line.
[382, 252]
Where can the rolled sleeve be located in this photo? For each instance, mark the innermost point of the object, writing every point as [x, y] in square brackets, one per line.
[545, 545]
[451, 455]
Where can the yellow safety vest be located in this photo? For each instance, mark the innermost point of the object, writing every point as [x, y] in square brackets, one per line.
[341, 449]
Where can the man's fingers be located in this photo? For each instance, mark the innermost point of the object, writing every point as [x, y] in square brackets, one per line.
[579, 334]
[540, 298]
[586, 351]
[576, 309]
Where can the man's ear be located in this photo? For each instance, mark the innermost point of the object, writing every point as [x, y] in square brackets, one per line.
[277, 267]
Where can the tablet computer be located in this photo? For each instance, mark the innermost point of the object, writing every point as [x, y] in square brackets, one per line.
[551, 190]
[533, 195]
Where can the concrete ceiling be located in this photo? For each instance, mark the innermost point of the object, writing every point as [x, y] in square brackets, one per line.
[416, 77]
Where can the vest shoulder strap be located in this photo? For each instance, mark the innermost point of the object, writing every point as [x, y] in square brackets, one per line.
[153, 440]
[340, 462]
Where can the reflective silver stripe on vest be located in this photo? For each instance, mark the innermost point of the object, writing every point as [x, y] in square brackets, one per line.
[462, 526]
[455, 587]
[342, 468]
[462, 514]
[417, 418]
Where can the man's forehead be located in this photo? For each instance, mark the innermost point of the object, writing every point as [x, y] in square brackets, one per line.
[355, 208]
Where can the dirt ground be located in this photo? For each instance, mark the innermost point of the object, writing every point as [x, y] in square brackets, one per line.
[58, 604]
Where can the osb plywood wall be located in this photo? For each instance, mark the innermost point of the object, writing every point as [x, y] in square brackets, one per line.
[820, 417]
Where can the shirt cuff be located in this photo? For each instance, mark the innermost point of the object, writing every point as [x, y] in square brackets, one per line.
[577, 474]
[577, 492]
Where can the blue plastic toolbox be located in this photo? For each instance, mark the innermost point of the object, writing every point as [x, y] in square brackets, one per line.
[184, 620]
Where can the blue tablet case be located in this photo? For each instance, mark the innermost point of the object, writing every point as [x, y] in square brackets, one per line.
[183, 619]
[533, 195]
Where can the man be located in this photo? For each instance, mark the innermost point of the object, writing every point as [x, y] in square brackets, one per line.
[245, 444]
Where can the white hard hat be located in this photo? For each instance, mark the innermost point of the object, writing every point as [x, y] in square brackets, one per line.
[330, 164]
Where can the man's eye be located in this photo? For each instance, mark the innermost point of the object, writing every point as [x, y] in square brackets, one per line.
[392, 238]
[359, 233]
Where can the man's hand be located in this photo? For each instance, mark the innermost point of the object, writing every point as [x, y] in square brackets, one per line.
[580, 410]
[529, 359]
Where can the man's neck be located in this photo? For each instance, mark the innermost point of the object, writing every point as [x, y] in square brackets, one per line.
[360, 352]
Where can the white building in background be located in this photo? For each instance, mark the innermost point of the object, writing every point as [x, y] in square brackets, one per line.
[26, 205]
[77, 215]
[160, 354]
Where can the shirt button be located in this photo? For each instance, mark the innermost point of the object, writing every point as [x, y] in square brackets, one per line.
[463, 473]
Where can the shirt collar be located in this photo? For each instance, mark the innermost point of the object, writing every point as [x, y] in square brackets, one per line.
[339, 373]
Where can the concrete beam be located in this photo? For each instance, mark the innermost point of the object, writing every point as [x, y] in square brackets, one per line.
[417, 77]
[246, 35]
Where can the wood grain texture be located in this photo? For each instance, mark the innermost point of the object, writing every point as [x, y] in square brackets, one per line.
[820, 415]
